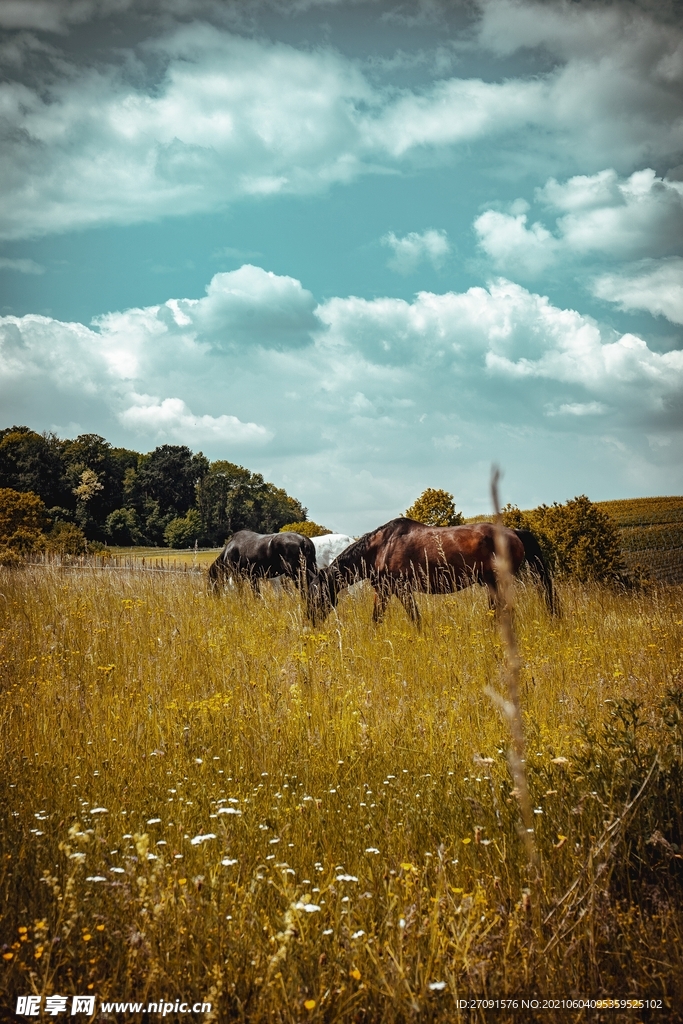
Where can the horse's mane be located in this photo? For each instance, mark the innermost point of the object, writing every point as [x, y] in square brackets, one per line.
[352, 556]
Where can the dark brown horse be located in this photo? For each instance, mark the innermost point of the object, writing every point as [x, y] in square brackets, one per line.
[251, 557]
[404, 557]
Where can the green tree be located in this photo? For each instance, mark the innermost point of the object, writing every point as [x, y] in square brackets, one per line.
[183, 531]
[579, 538]
[435, 507]
[260, 506]
[169, 476]
[95, 475]
[122, 527]
[212, 499]
[280, 508]
[32, 462]
[23, 520]
[153, 522]
[307, 529]
[231, 498]
[124, 459]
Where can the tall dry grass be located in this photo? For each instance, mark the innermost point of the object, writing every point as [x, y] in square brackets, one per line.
[361, 858]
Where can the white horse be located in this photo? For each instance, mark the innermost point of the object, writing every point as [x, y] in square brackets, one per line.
[329, 546]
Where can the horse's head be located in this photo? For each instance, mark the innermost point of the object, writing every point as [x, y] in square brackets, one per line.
[215, 575]
[323, 590]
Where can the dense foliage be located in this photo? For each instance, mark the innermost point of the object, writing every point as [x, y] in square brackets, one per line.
[435, 507]
[579, 538]
[306, 529]
[118, 496]
[23, 520]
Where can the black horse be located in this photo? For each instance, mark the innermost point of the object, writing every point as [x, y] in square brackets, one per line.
[404, 557]
[250, 557]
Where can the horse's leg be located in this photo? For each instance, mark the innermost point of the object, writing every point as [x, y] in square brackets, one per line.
[489, 579]
[241, 582]
[381, 600]
[407, 598]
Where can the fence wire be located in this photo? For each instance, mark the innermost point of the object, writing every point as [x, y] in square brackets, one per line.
[117, 563]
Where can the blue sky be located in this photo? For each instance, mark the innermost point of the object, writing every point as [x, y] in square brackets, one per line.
[363, 247]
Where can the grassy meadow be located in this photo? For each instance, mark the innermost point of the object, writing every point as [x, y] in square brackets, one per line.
[155, 558]
[203, 798]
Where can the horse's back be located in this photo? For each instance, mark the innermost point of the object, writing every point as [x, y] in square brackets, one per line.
[244, 550]
[442, 556]
[408, 544]
[292, 549]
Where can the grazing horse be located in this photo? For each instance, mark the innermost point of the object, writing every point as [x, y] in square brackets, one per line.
[329, 546]
[404, 556]
[251, 557]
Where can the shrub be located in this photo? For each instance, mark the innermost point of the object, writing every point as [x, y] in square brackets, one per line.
[435, 507]
[66, 539]
[306, 529]
[183, 531]
[10, 559]
[579, 538]
[23, 518]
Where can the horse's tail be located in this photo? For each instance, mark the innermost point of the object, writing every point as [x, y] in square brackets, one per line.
[539, 567]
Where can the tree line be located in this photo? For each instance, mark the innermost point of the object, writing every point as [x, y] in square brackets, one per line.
[60, 493]
[170, 496]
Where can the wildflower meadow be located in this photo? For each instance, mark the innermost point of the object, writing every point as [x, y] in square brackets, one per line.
[206, 798]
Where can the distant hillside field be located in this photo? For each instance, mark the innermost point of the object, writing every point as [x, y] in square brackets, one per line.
[651, 533]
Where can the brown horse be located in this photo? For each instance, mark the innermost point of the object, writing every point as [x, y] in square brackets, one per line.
[404, 557]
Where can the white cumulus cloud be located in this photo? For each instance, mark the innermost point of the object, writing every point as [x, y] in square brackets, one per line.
[637, 221]
[171, 418]
[653, 285]
[599, 214]
[413, 249]
[639, 216]
[134, 362]
[231, 117]
[509, 332]
[384, 394]
[511, 244]
[255, 307]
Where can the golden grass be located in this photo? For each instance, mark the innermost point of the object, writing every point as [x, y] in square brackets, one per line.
[374, 870]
